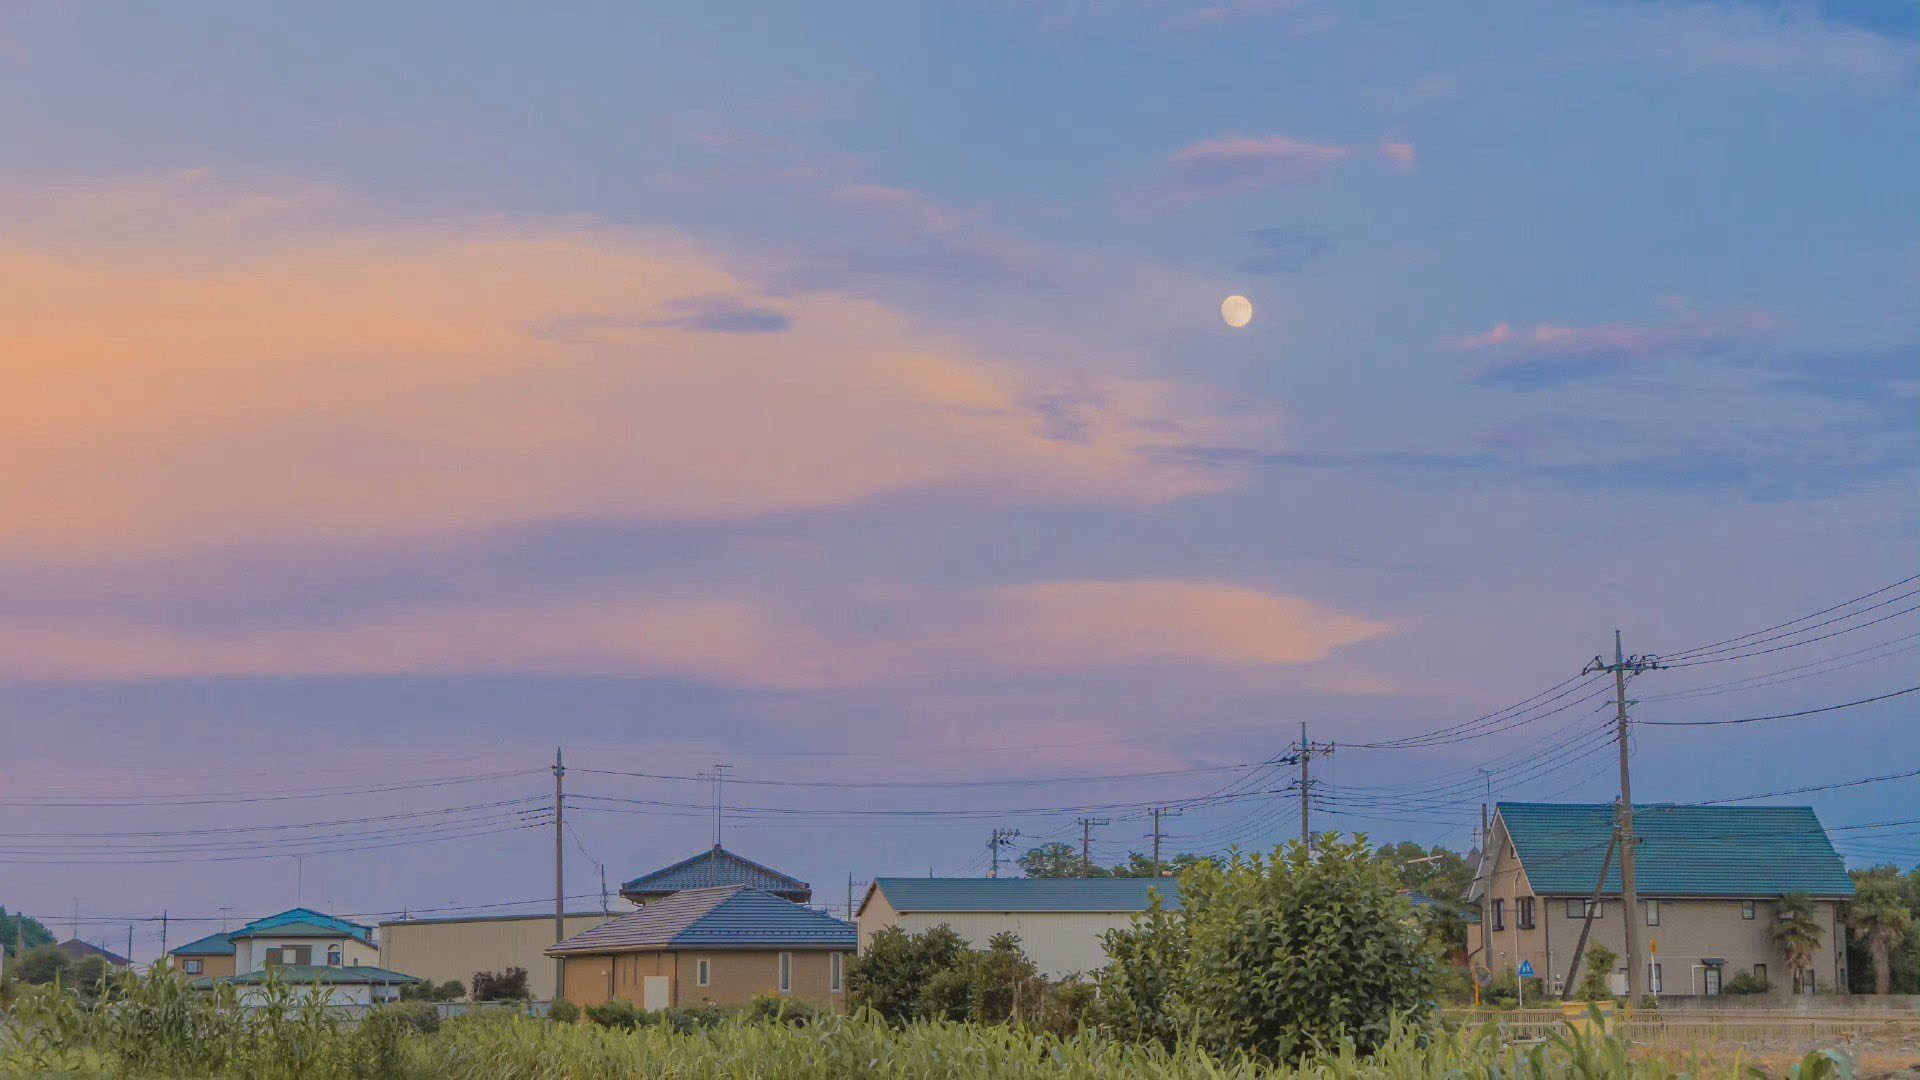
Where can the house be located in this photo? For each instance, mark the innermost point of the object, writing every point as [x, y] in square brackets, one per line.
[76, 950]
[439, 950]
[211, 956]
[1709, 879]
[713, 868]
[455, 948]
[307, 950]
[717, 946]
[1061, 921]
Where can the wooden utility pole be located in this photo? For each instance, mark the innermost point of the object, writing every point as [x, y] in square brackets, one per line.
[1622, 666]
[1159, 812]
[559, 872]
[1001, 838]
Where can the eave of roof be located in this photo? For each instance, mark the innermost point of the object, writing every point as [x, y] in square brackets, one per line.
[729, 917]
[295, 930]
[211, 945]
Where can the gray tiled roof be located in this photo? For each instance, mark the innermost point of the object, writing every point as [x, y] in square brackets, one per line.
[712, 868]
[1025, 894]
[308, 974]
[734, 917]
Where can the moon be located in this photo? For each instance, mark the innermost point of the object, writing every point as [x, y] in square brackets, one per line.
[1237, 310]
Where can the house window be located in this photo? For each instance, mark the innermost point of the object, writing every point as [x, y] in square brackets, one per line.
[1760, 972]
[1523, 912]
[1653, 912]
[1710, 981]
[333, 956]
[1499, 914]
[1577, 909]
[703, 972]
[833, 973]
[1746, 909]
[786, 972]
[194, 967]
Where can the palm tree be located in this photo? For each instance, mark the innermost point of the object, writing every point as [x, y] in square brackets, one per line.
[1796, 933]
[1880, 918]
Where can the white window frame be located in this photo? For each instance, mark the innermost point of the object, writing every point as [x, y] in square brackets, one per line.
[1746, 909]
[1653, 912]
[335, 956]
[786, 973]
[703, 972]
[193, 967]
[833, 973]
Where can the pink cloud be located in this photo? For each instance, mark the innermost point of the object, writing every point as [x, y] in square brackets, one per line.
[1057, 626]
[191, 366]
[1618, 339]
[1237, 164]
[1399, 154]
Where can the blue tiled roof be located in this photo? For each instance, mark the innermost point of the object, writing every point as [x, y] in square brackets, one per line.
[734, 917]
[261, 927]
[211, 945]
[1024, 894]
[1736, 851]
[713, 868]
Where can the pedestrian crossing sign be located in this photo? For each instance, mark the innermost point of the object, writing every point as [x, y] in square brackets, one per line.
[1526, 969]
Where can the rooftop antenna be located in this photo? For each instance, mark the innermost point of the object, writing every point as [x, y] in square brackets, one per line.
[719, 790]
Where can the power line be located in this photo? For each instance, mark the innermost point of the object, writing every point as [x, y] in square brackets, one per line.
[1778, 716]
[1697, 650]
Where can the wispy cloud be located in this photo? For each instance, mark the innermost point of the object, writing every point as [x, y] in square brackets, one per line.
[1237, 164]
[184, 387]
[1788, 40]
[875, 637]
[1284, 250]
[1552, 354]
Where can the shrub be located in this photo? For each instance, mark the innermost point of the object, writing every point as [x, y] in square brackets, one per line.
[38, 966]
[1747, 982]
[508, 985]
[564, 1012]
[618, 1013]
[892, 975]
[773, 1009]
[686, 1020]
[1274, 957]
[451, 990]
[1596, 984]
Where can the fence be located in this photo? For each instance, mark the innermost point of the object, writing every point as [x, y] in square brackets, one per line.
[1696, 1027]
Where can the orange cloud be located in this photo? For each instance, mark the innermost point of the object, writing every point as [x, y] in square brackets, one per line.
[1056, 626]
[190, 366]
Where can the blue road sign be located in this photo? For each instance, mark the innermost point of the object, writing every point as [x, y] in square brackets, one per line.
[1526, 969]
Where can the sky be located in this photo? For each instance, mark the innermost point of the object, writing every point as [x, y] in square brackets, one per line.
[839, 392]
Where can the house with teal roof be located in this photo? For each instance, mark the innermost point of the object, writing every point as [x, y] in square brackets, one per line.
[311, 950]
[1710, 881]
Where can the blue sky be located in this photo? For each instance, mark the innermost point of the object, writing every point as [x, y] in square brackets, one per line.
[839, 391]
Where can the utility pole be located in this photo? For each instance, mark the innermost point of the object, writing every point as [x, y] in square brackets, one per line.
[1622, 666]
[606, 908]
[129, 944]
[1001, 838]
[163, 933]
[1159, 812]
[849, 896]
[1305, 754]
[1086, 843]
[559, 872]
[719, 778]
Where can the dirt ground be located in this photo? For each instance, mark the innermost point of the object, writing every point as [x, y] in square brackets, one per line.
[1873, 1059]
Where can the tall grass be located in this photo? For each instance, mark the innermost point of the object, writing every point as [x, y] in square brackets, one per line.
[158, 1028]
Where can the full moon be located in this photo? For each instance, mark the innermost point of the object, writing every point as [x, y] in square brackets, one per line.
[1237, 310]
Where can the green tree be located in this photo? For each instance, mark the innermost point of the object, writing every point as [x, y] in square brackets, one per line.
[15, 928]
[1140, 865]
[1796, 933]
[892, 974]
[1058, 860]
[1878, 913]
[1598, 965]
[39, 965]
[1273, 956]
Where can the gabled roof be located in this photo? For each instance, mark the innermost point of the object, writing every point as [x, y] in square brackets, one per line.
[76, 950]
[734, 917]
[275, 923]
[1023, 894]
[294, 930]
[713, 868]
[1733, 851]
[308, 974]
[211, 945]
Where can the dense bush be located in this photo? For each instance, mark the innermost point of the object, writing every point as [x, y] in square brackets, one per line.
[564, 1011]
[1277, 957]
[618, 1013]
[508, 985]
[1597, 973]
[451, 990]
[891, 976]
[933, 975]
[774, 1009]
[1746, 982]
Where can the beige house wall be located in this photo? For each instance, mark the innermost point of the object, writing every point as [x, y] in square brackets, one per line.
[736, 977]
[1060, 943]
[1690, 929]
[440, 950]
[210, 966]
